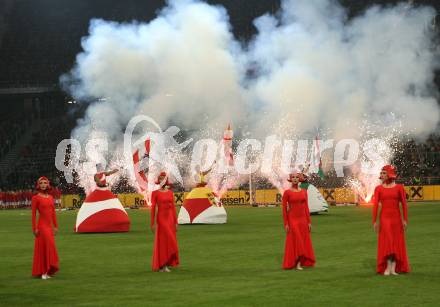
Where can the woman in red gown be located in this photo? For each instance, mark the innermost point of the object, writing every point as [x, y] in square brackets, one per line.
[391, 248]
[45, 261]
[298, 249]
[165, 252]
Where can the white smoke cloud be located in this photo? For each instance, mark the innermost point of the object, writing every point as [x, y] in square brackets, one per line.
[322, 70]
[182, 67]
[313, 69]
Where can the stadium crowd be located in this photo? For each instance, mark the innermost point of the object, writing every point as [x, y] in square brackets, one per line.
[14, 199]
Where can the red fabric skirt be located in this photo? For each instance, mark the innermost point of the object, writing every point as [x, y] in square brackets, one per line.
[391, 243]
[165, 251]
[298, 247]
[45, 253]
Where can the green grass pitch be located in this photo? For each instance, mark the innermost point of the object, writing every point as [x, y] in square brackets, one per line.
[237, 264]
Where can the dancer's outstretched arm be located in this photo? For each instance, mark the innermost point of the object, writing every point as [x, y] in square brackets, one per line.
[111, 172]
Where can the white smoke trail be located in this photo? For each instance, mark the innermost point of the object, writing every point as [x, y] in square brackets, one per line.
[182, 67]
[314, 69]
[329, 72]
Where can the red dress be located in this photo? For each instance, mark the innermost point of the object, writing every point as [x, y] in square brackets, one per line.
[165, 251]
[45, 252]
[298, 245]
[391, 233]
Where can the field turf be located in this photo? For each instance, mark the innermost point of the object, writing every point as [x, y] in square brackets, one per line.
[237, 264]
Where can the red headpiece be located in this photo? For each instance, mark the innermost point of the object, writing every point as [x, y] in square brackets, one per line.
[301, 176]
[163, 174]
[37, 185]
[391, 171]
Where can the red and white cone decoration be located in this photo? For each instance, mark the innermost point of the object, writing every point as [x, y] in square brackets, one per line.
[201, 206]
[102, 211]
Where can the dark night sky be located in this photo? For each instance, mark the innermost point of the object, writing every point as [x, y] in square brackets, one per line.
[42, 37]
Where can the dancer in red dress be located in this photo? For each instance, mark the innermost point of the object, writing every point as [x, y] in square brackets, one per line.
[298, 250]
[45, 261]
[165, 252]
[391, 248]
